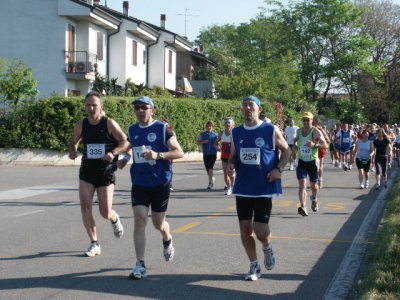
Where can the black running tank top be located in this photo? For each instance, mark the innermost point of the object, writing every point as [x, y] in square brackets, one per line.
[97, 142]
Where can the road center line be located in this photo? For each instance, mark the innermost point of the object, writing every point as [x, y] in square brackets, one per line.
[29, 213]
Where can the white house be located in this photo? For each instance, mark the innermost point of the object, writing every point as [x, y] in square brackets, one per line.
[64, 40]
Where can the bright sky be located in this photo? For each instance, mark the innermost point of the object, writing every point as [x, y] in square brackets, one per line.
[199, 13]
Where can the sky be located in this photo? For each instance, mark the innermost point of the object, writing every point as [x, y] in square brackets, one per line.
[199, 13]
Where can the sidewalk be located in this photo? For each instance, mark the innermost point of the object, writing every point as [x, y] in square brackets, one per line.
[40, 157]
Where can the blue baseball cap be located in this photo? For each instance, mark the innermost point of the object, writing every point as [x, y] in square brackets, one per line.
[144, 99]
[252, 98]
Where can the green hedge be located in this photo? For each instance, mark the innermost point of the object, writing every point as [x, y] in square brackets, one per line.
[48, 123]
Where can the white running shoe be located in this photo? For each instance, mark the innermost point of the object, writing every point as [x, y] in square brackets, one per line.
[211, 184]
[302, 211]
[169, 250]
[139, 271]
[94, 249]
[291, 167]
[349, 167]
[373, 168]
[229, 191]
[320, 183]
[118, 229]
[314, 203]
[269, 257]
[254, 272]
[361, 186]
[366, 184]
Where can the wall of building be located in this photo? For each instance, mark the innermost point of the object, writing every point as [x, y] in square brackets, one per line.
[32, 31]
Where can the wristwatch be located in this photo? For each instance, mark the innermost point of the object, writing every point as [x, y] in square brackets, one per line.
[280, 169]
[160, 155]
[113, 153]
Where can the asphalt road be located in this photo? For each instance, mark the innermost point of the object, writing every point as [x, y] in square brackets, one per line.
[42, 240]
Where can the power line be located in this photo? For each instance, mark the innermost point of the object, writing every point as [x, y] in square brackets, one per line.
[186, 15]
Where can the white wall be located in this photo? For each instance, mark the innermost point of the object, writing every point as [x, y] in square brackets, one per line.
[32, 31]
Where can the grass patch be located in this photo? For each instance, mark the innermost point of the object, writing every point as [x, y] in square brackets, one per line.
[381, 279]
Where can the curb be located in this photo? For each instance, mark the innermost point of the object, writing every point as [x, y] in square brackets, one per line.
[40, 157]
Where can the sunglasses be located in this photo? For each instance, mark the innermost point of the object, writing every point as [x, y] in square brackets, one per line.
[142, 107]
[306, 120]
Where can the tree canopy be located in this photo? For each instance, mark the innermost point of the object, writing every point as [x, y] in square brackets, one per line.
[309, 50]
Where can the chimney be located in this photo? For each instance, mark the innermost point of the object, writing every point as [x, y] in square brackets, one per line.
[96, 2]
[125, 6]
[201, 49]
[164, 21]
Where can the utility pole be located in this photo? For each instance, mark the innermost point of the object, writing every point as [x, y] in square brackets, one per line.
[186, 15]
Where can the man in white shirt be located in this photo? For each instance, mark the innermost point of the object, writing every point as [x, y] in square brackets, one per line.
[290, 134]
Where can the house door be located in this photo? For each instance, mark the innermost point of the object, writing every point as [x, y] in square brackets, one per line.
[71, 42]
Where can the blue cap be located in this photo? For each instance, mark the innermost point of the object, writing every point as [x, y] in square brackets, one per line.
[144, 99]
[252, 98]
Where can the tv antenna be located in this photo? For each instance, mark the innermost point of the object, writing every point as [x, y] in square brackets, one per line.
[186, 15]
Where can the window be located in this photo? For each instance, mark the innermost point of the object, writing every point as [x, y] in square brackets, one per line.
[100, 45]
[144, 57]
[170, 61]
[134, 53]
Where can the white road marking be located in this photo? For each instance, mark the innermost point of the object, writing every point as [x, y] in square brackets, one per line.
[33, 191]
[344, 278]
[29, 213]
[189, 176]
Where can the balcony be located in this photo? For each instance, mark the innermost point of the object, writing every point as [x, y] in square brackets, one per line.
[80, 65]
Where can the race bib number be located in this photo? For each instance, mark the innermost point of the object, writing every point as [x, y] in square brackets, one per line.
[96, 151]
[138, 154]
[250, 156]
[305, 153]
[346, 140]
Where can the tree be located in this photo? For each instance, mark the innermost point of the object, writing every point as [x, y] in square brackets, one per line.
[326, 41]
[381, 95]
[16, 81]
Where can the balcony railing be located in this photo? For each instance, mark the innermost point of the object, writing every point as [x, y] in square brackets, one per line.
[80, 62]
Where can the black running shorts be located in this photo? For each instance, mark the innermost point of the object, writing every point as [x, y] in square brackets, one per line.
[260, 207]
[156, 196]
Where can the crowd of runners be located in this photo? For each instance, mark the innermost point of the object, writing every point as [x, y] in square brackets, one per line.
[253, 157]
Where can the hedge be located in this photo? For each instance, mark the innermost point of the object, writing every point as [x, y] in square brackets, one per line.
[48, 123]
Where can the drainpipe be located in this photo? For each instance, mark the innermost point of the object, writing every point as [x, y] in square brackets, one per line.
[108, 50]
[147, 57]
[164, 56]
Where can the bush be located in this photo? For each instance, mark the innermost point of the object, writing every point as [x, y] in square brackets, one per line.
[48, 123]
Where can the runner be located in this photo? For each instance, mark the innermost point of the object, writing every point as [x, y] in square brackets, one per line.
[308, 141]
[153, 146]
[258, 167]
[372, 137]
[321, 152]
[225, 138]
[207, 140]
[382, 153]
[103, 140]
[345, 140]
[397, 145]
[363, 151]
[290, 134]
[337, 146]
